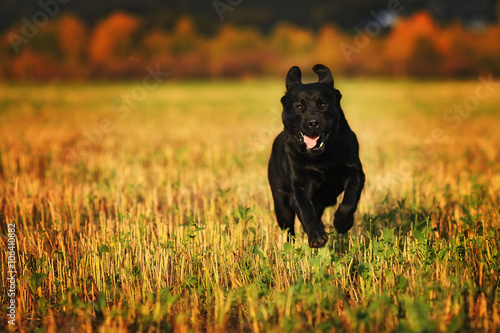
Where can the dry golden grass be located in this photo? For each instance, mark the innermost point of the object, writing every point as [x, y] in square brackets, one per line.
[158, 216]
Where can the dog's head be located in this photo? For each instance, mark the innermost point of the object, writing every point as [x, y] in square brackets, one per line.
[311, 112]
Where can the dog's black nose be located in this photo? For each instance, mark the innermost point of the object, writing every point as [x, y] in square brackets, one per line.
[313, 124]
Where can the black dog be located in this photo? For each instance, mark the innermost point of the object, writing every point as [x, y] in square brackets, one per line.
[315, 158]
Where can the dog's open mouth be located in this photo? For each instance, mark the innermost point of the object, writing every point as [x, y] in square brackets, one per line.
[313, 143]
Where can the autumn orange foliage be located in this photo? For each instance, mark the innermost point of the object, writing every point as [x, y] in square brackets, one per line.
[113, 38]
[120, 46]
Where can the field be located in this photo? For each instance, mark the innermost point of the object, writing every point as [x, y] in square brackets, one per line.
[148, 210]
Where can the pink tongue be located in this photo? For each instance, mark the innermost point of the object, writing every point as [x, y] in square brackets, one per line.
[311, 142]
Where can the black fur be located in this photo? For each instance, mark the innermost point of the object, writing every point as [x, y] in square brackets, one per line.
[305, 179]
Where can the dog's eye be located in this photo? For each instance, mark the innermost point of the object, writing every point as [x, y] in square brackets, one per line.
[299, 107]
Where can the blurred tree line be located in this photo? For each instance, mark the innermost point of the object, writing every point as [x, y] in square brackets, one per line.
[122, 45]
[258, 14]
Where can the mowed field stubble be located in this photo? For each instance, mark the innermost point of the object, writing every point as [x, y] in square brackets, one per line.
[149, 210]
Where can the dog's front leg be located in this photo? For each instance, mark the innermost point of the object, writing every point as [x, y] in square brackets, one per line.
[344, 216]
[306, 213]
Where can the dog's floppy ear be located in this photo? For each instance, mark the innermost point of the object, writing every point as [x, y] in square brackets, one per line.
[338, 95]
[293, 77]
[324, 74]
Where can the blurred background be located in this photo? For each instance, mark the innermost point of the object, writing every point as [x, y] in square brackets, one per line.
[94, 40]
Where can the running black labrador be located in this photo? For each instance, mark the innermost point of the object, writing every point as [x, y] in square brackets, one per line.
[315, 158]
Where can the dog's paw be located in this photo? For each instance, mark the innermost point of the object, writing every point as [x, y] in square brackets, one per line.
[318, 238]
[344, 219]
